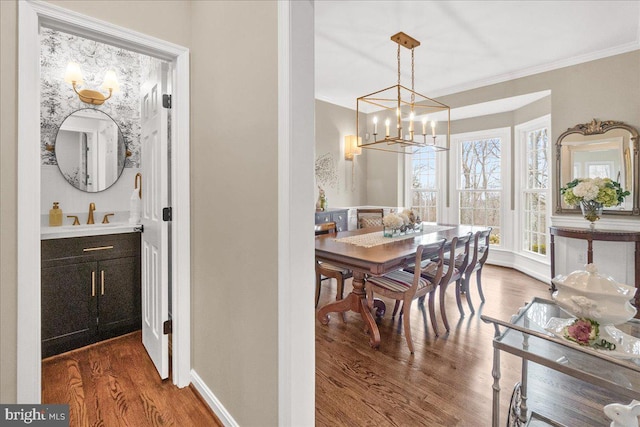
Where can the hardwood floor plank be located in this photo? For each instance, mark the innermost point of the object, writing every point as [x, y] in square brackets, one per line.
[114, 383]
[447, 381]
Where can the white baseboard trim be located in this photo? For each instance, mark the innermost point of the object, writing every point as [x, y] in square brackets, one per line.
[538, 269]
[221, 412]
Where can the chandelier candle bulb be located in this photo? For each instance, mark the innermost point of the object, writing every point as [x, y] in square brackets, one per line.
[433, 128]
[387, 123]
[375, 125]
[424, 126]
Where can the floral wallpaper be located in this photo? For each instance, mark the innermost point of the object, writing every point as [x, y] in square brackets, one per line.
[58, 99]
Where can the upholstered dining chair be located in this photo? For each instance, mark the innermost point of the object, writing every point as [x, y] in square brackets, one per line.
[404, 286]
[324, 270]
[452, 272]
[476, 262]
[369, 217]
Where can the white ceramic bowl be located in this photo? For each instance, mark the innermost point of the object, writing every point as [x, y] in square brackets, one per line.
[594, 296]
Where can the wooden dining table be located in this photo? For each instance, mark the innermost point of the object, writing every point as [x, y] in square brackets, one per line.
[375, 261]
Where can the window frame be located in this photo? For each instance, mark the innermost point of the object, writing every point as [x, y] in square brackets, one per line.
[504, 134]
[440, 175]
[520, 181]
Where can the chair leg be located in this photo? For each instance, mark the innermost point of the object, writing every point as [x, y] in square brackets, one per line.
[443, 310]
[395, 308]
[479, 280]
[318, 281]
[458, 298]
[406, 307]
[467, 279]
[432, 312]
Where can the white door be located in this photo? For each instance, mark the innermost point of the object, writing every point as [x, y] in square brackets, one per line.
[155, 309]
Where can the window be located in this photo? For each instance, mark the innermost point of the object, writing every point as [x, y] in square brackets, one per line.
[423, 190]
[534, 139]
[480, 186]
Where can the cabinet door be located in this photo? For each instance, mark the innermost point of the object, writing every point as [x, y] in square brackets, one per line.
[341, 219]
[68, 307]
[119, 296]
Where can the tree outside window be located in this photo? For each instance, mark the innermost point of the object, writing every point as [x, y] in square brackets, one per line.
[480, 184]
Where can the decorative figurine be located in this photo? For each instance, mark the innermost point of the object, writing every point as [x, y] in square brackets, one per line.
[321, 204]
[623, 415]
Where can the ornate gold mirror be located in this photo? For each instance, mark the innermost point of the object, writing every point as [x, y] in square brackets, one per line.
[599, 149]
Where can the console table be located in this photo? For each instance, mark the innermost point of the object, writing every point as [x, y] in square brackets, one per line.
[604, 235]
[339, 216]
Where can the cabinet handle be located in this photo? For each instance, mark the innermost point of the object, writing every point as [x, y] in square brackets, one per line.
[93, 283]
[99, 248]
[101, 282]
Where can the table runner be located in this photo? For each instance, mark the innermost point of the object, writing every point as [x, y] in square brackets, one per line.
[377, 238]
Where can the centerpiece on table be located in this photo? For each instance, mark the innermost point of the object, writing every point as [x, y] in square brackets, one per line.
[592, 194]
[398, 224]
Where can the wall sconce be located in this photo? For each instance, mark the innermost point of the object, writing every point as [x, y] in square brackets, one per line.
[73, 76]
[352, 146]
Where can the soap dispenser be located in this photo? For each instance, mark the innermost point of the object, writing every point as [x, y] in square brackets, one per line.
[55, 215]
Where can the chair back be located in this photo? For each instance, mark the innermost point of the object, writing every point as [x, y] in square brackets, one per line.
[326, 228]
[480, 248]
[369, 217]
[459, 246]
[434, 254]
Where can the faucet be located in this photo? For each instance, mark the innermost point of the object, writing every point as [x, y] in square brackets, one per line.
[92, 207]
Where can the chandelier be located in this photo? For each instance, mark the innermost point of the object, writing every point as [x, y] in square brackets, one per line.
[402, 119]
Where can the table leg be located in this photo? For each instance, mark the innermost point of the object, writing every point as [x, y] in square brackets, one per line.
[355, 301]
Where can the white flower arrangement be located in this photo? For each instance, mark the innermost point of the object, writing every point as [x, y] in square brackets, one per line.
[393, 221]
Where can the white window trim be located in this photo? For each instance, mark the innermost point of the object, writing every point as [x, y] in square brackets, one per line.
[504, 134]
[520, 182]
[441, 174]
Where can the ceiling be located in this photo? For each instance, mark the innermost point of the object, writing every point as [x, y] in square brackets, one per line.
[464, 44]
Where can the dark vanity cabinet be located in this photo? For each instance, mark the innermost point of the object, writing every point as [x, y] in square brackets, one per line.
[90, 290]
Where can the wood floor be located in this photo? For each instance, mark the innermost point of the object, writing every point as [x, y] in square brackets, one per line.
[114, 383]
[447, 382]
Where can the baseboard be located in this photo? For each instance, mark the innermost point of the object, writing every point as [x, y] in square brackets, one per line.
[221, 412]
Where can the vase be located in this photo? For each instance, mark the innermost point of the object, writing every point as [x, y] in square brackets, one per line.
[592, 211]
[391, 232]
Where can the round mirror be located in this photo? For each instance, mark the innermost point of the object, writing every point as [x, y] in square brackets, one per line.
[90, 150]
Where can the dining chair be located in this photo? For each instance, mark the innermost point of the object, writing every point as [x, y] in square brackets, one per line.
[325, 270]
[369, 217]
[405, 286]
[480, 255]
[452, 272]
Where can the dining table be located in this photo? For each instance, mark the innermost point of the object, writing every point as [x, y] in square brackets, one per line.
[366, 252]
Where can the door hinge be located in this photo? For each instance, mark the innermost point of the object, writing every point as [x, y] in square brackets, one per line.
[166, 101]
[167, 327]
[166, 214]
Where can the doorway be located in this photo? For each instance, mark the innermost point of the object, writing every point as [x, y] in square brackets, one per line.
[31, 18]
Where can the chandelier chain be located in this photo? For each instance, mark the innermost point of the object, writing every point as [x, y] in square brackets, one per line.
[413, 96]
[398, 65]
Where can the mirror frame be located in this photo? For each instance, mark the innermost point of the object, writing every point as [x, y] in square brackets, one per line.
[597, 127]
[52, 147]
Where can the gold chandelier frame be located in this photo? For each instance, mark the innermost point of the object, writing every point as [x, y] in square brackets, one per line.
[398, 104]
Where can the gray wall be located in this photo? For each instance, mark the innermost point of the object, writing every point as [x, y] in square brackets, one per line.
[349, 184]
[234, 180]
[606, 89]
